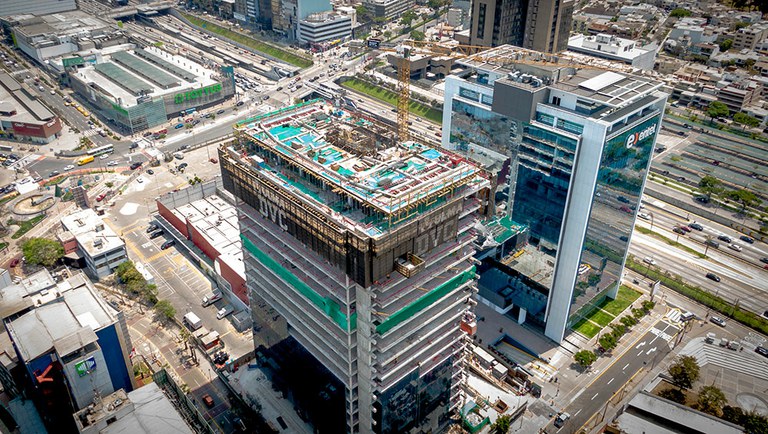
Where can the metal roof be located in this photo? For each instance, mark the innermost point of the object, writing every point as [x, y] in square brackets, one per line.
[123, 78]
[145, 70]
[170, 67]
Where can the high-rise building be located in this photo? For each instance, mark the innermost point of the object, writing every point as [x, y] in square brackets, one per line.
[365, 247]
[574, 147]
[541, 25]
[548, 25]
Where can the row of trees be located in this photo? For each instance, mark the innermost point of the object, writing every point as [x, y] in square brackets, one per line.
[684, 373]
[609, 341]
[134, 282]
[717, 109]
[711, 186]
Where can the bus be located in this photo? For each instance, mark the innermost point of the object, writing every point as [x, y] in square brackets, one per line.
[106, 149]
[189, 111]
[84, 160]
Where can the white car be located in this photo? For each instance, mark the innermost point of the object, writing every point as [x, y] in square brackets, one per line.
[650, 261]
[112, 163]
[69, 167]
[224, 311]
[735, 247]
[644, 216]
[104, 157]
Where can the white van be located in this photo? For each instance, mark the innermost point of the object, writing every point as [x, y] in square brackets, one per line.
[193, 321]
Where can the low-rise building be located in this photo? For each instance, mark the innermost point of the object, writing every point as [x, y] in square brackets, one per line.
[613, 48]
[325, 27]
[388, 8]
[23, 116]
[86, 235]
[205, 215]
[44, 37]
[37, 7]
[748, 37]
[736, 97]
[145, 87]
[143, 411]
[70, 342]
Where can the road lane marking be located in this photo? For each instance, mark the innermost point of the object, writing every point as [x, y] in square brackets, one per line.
[640, 345]
[625, 367]
[610, 381]
[577, 413]
[593, 398]
[650, 351]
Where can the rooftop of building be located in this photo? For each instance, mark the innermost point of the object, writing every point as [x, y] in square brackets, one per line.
[17, 104]
[92, 235]
[325, 17]
[145, 410]
[392, 183]
[131, 76]
[65, 322]
[71, 23]
[627, 49]
[216, 220]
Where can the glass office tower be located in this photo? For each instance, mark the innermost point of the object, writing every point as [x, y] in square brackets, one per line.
[578, 143]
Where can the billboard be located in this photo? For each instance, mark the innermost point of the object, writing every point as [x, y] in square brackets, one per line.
[85, 367]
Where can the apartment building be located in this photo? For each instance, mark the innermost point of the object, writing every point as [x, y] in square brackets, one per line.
[365, 247]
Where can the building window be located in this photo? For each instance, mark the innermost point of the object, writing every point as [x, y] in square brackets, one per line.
[556, 100]
[481, 21]
[469, 94]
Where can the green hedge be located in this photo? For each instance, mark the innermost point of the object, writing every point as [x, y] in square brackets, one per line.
[719, 304]
[25, 226]
[260, 46]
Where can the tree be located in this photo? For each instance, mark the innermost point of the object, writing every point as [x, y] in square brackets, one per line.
[745, 120]
[684, 372]
[501, 426]
[675, 395]
[618, 330]
[628, 321]
[608, 341]
[42, 251]
[726, 45]
[732, 414]
[361, 12]
[585, 358]
[648, 305]
[710, 185]
[680, 13]
[165, 309]
[417, 35]
[407, 18]
[717, 109]
[754, 423]
[711, 400]
[745, 198]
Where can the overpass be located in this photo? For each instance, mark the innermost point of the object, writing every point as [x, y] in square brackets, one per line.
[146, 10]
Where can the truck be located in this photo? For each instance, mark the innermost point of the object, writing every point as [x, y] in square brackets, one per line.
[192, 321]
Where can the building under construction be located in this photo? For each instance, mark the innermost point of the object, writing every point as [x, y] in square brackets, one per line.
[365, 246]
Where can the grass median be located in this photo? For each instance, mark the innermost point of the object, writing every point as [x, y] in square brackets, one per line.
[390, 98]
[712, 301]
[255, 44]
[25, 226]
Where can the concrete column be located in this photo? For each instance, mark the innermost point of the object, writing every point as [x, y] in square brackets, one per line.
[521, 317]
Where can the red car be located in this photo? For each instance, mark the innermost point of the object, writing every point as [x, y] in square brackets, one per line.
[101, 197]
[163, 131]
[626, 209]
[15, 262]
[188, 120]
[208, 400]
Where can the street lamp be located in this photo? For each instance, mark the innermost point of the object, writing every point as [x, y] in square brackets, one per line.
[651, 214]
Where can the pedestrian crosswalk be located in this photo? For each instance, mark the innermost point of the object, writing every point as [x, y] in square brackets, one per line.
[25, 161]
[673, 316]
[90, 133]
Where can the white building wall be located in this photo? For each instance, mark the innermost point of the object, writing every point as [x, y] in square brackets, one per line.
[574, 229]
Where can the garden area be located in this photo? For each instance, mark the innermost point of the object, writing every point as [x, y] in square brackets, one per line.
[606, 312]
[25, 226]
[390, 97]
[255, 44]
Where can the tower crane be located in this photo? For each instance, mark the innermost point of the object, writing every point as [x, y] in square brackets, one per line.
[479, 53]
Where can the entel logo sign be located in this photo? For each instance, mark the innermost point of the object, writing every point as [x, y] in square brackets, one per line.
[635, 138]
